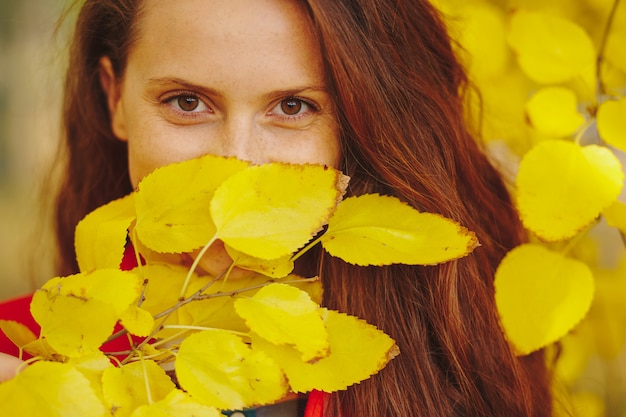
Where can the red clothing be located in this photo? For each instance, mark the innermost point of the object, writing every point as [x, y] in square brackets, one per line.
[17, 309]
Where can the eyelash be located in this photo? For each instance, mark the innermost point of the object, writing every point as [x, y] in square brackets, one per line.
[170, 101]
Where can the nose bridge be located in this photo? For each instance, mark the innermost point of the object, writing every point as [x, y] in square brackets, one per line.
[241, 138]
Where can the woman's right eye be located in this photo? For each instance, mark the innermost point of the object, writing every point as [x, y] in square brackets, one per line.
[187, 103]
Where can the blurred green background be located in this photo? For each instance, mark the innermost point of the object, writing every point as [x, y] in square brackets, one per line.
[31, 64]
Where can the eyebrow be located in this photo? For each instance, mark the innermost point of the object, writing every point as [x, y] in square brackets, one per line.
[164, 81]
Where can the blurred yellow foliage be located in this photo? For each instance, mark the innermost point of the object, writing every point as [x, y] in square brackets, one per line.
[547, 70]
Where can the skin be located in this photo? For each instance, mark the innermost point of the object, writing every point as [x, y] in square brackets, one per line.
[8, 366]
[232, 78]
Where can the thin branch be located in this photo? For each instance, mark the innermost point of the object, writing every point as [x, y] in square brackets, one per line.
[601, 50]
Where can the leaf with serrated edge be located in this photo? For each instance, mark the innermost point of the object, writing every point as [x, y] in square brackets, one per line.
[50, 389]
[540, 295]
[563, 187]
[271, 210]
[125, 388]
[176, 404]
[137, 321]
[285, 315]
[100, 237]
[381, 230]
[77, 313]
[358, 350]
[219, 370]
[172, 202]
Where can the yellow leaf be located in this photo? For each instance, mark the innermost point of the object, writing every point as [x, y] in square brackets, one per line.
[126, 388]
[381, 230]
[607, 317]
[42, 349]
[551, 49]
[271, 210]
[562, 187]
[100, 238]
[92, 367]
[275, 268]
[176, 404]
[611, 120]
[219, 370]
[358, 350]
[571, 355]
[50, 389]
[78, 313]
[615, 216]
[18, 333]
[137, 321]
[588, 404]
[552, 111]
[173, 203]
[482, 35]
[285, 315]
[540, 295]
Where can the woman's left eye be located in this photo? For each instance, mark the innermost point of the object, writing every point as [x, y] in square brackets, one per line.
[293, 107]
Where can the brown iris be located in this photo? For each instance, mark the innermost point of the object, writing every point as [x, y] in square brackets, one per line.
[188, 103]
[291, 106]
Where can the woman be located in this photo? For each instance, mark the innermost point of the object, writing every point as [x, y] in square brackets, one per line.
[370, 86]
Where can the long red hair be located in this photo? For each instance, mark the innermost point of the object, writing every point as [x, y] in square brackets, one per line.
[398, 90]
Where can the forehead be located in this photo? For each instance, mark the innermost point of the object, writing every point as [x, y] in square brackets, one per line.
[219, 35]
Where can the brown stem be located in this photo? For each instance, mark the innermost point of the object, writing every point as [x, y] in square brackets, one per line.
[601, 50]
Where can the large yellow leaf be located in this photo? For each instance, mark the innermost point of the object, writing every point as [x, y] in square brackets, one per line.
[381, 230]
[611, 120]
[125, 387]
[50, 389]
[173, 203]
[552, 111]
[219, 370]
[271, 210]
[100, 237]
[540, 295]
[358, 350]
[285, 315]
[551, 49]
[562, 187]
[176, 404]
[77, 313]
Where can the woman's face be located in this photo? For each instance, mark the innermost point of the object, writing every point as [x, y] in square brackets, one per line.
[226, 77]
